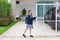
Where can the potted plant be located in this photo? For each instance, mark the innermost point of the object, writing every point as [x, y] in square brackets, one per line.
[23, 12]
[22, 16]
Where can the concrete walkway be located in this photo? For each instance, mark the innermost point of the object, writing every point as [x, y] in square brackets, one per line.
[40, 31]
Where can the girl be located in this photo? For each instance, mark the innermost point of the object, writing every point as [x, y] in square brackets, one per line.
[29, 21]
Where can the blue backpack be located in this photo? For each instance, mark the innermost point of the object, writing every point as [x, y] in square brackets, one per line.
[26, 20]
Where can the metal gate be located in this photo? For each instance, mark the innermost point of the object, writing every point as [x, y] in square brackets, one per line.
[43, 9]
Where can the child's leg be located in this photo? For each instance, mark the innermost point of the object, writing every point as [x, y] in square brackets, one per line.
[25, 30]
[31, 33]
[31, 29]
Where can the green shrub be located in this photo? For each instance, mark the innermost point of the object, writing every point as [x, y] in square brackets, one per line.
[10, 18]
[23, 12]
[5, 9]
[5, 12]
[4, 21]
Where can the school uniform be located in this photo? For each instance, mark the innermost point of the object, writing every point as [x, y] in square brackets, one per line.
[29, 21]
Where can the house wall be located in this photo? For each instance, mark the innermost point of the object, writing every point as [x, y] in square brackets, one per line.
[28, 4]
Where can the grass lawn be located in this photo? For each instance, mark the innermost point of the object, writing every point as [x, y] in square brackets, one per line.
[5, 28]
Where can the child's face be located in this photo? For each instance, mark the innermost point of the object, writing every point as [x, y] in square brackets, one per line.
[30, 12]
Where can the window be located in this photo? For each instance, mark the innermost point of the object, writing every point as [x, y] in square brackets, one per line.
[17, 2]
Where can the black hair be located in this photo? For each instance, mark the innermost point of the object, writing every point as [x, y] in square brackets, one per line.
[29, 10]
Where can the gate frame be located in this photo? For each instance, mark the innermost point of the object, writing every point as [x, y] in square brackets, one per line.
[57, 5]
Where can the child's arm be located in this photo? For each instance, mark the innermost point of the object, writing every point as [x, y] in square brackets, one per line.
[30, 17]
[33, 18]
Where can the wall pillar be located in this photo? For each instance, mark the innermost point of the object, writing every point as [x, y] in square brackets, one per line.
[13, 2]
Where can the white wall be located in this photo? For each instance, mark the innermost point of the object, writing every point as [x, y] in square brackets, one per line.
[31, 4]
[27, 6]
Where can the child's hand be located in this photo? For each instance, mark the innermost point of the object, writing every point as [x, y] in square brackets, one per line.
[33, 18]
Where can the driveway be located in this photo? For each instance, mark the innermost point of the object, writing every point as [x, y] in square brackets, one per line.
[40, 31]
